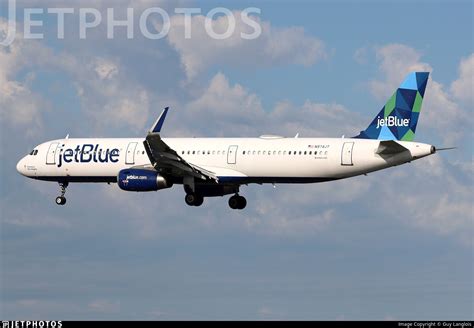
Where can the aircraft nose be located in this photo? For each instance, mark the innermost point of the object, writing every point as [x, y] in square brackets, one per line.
[20, 166]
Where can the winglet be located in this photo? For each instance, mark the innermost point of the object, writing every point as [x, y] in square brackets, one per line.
[156, 128]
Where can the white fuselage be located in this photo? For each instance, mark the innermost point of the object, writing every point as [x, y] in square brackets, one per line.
[233, 160]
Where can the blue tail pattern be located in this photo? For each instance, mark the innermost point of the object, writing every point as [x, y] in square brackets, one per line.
[398, 118]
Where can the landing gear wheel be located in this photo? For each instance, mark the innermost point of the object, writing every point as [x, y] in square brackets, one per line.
[194, 200]
[242, 203]
[60, 200]
[198, 200]
[234, 202]
[237, 202]
[189, 199]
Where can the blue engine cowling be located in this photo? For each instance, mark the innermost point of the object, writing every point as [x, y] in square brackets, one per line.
[141, 180]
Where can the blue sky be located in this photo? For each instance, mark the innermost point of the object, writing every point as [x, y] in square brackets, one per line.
[396, 244]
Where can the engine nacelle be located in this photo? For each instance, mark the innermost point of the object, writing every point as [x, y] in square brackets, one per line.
[141, 180]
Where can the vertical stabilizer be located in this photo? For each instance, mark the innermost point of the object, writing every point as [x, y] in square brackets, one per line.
[398, 118]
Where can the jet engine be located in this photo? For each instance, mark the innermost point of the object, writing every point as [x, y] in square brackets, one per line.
[141, 180]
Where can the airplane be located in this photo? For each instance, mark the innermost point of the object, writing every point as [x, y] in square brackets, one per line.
[211, 167]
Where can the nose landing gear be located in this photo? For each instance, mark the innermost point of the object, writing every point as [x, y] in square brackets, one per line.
[61, 200]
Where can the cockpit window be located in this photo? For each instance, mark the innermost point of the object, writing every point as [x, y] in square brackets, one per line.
[34, 152]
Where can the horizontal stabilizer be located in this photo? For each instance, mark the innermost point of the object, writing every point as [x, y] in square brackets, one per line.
[388, 147]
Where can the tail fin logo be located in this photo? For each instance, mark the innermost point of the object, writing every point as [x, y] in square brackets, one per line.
[392, 121]
[397, 120]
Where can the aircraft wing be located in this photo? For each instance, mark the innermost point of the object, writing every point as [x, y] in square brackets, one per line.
[165, 160]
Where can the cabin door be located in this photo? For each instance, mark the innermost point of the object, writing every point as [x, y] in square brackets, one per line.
[346, 156]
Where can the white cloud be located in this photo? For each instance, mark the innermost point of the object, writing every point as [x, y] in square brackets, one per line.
[430, 194]
[107, 94]
[462, 88]
[19, 105]
[395, 62]
[105, 69]
[275, 46]
[235, 111]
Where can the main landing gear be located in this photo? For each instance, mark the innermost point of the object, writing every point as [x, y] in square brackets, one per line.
[237, 202]
[61, 200]
[194, 199]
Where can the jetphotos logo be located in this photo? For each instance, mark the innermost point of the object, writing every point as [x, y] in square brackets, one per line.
[31, 324]
[392, 121]
[154, 23]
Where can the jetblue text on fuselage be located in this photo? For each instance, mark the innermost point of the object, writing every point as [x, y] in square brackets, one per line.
[392, 121]
[88, 153]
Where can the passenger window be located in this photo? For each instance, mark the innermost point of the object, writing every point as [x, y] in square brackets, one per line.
[279, 152]
[218, 152]
[259, 152]
[284, 152]
[310, 152]
[299, 153]
[264, 152]
[305, 153]
[213, 152]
